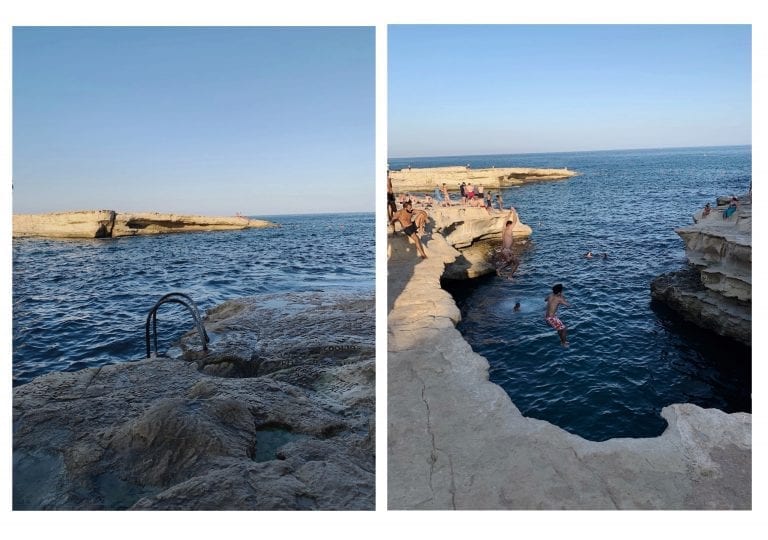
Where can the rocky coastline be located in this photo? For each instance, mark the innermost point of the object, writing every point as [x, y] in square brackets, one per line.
[715, 290]
[113, 224]
[457, 441]
[278, 414]
[428, 178]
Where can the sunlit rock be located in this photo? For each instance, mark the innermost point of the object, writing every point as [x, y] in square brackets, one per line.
[716, 291]
[109, 224]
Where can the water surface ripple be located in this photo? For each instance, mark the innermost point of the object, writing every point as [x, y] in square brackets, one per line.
[83, 303]
[628, 359]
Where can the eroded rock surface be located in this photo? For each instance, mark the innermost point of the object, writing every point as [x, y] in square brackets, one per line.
[109, 224]
[715, 292]
[456, 440]
[426, 179]
[278, 415]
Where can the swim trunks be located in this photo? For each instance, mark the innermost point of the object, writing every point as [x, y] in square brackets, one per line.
[555, 323]
[410, 229]
[390, 197]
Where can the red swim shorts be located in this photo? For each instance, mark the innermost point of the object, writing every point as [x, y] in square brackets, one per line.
[555, 323]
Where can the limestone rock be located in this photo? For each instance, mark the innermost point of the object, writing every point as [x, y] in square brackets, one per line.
[278, 415]
[718, 295]
[83, 224]
[426, 179]
[108, 224]
[456, 440]
[463, 225]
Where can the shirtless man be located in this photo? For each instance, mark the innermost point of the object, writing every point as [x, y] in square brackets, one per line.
[391, 206]
[405, 217]
[508, 258]
[554, 300]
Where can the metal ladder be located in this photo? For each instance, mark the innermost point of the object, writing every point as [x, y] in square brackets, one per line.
[187, 302]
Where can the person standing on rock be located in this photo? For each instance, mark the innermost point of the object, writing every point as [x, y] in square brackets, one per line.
[446, 196]
[555, 300]
[391, 206]
[405, 217]
[508, 258]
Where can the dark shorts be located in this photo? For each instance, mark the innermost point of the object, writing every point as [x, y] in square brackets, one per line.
[390, 197]
[410, 229]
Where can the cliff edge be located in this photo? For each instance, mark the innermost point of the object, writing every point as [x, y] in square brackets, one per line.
[457, 441]
[112, 224]
[715, 291]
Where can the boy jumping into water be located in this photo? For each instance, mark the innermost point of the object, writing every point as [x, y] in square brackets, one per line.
[553, 302]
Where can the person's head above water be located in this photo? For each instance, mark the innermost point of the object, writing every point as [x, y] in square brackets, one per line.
[557, 289]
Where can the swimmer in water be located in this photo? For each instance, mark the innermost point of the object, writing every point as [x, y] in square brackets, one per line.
[517, 306]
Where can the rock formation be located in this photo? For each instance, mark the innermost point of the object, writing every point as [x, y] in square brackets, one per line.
[110, 224]
[278, 415]
[426, 179]
[456, 440]
[715, 291]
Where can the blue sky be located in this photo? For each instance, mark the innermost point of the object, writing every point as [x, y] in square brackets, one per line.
[545, 88]
[194, 120]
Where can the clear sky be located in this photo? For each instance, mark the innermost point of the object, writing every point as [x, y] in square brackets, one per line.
[499, 89]
[194, 120]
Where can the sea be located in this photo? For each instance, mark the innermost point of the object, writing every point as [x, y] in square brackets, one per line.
[628, 357]
[84, 303]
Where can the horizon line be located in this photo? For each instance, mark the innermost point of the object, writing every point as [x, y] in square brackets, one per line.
[572, 151]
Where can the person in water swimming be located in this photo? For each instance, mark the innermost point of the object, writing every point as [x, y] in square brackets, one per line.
[555, 300]
[405, 217]
[517, 306]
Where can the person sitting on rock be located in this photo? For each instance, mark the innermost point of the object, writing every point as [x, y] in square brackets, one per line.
[420, 219]
[732, 207]
[706, 211]
[405, 217]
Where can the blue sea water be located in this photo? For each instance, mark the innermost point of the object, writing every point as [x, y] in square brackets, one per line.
[84, 303]
[628, 357]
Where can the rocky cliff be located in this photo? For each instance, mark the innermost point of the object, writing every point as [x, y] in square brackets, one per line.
[457, 441]
[279, 414]
[110, 224]
[426, 179]
[715, 291]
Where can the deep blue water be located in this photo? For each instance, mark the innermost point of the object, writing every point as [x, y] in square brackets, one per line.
[627, 359]
[83, 303]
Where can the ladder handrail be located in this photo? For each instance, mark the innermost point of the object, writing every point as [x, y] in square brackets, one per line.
[195, 312]
[175, 298]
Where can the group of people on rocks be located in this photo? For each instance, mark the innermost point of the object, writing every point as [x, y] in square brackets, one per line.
[413, 222]
[728, 211]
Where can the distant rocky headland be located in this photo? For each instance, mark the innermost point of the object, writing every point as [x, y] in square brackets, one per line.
[427, 179]
[113, 224]
[457, 441]
[277, 414]
[715, 290]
